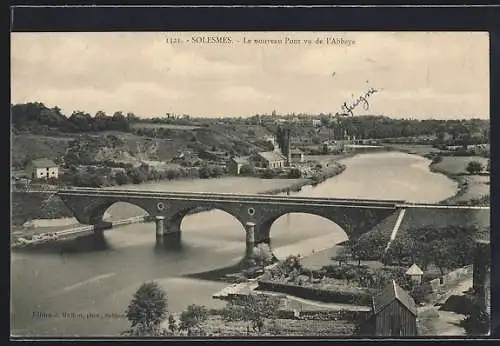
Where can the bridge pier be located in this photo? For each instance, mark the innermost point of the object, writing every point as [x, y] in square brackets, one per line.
[250, 238]
[164, 238]
[160, 226]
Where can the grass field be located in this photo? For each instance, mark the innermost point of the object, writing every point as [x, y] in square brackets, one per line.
[216, 326]
[164, 126]
[453, 165]
[419, 149]
[477, 186]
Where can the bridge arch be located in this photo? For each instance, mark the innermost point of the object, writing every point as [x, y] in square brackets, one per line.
[120, 210]
[310, 232]
[179, 216]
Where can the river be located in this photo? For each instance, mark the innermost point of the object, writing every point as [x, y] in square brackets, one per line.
[85, 276]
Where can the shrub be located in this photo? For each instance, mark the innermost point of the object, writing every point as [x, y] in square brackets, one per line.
[294, 173]
[268, 174]
[192, 318]
[247, 169]
[121, 178]
[437, 159]
[346, 295]
[421, 293]
[474, 167]
[262, 255]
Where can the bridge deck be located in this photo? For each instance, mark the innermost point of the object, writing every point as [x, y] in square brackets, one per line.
[257, 198]
[227, 197]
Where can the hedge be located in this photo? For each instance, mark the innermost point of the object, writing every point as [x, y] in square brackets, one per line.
[313, 293]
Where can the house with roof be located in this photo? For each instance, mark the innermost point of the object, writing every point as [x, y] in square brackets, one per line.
[42, 169]
[415, 274]
[297, 155]
[269, 159]
[394, 313]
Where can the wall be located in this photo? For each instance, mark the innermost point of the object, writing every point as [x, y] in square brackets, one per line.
[313, 293]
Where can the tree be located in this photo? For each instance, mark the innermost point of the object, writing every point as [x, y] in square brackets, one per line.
[252, 308]
[147, 309]
[294, 173]
[268, 174]
[474, 167]
[262, 255]
[247, 169]
[172, 324]
[437, 159]
[192, 318]
[343, 255]
[216, 171]
[205, 172]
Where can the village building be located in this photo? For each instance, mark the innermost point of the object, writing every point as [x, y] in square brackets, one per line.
[415, 274]
[235, 163]
[316, 122]
[42, 169]
[269, 159]
[394, 313]
[297, 155]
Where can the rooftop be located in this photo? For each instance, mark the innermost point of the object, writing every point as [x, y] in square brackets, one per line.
[414, 270]
[43, 163]
[296, 151]
[390, 293]
[272, 156]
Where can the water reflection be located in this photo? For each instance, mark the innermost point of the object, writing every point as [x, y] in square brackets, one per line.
[169, 243]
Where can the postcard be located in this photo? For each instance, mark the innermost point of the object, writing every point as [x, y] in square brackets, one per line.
[224, 184]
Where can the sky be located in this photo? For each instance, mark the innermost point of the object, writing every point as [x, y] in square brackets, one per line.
[441, 75]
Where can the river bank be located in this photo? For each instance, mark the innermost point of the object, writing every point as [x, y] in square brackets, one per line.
[48, 209]
[471, 189]
[113, 268]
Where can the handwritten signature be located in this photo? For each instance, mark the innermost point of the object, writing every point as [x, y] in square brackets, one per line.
[348, 108]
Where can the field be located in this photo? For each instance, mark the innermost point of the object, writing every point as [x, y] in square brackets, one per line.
[324, 258]
[419, 149]
[473, 187]
[454, 165]
[164, 126]
[216, 326]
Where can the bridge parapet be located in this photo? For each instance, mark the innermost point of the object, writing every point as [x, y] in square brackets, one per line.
[355, 216]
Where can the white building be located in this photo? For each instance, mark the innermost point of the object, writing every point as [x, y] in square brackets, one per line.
[42, 169]
[297, 155]
[316, 122]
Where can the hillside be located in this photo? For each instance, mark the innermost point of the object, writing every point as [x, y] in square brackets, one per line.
[142, 144]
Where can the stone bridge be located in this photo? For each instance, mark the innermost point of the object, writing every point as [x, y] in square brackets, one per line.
[255, 212]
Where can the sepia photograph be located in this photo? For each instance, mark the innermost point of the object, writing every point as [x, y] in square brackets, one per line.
[250, 184]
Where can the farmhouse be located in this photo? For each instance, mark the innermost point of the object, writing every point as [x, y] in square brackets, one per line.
[42, 169]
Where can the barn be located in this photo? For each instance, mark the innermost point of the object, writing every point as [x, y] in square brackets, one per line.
[394, 312]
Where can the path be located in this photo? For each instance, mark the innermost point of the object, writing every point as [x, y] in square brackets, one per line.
[445, 323]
